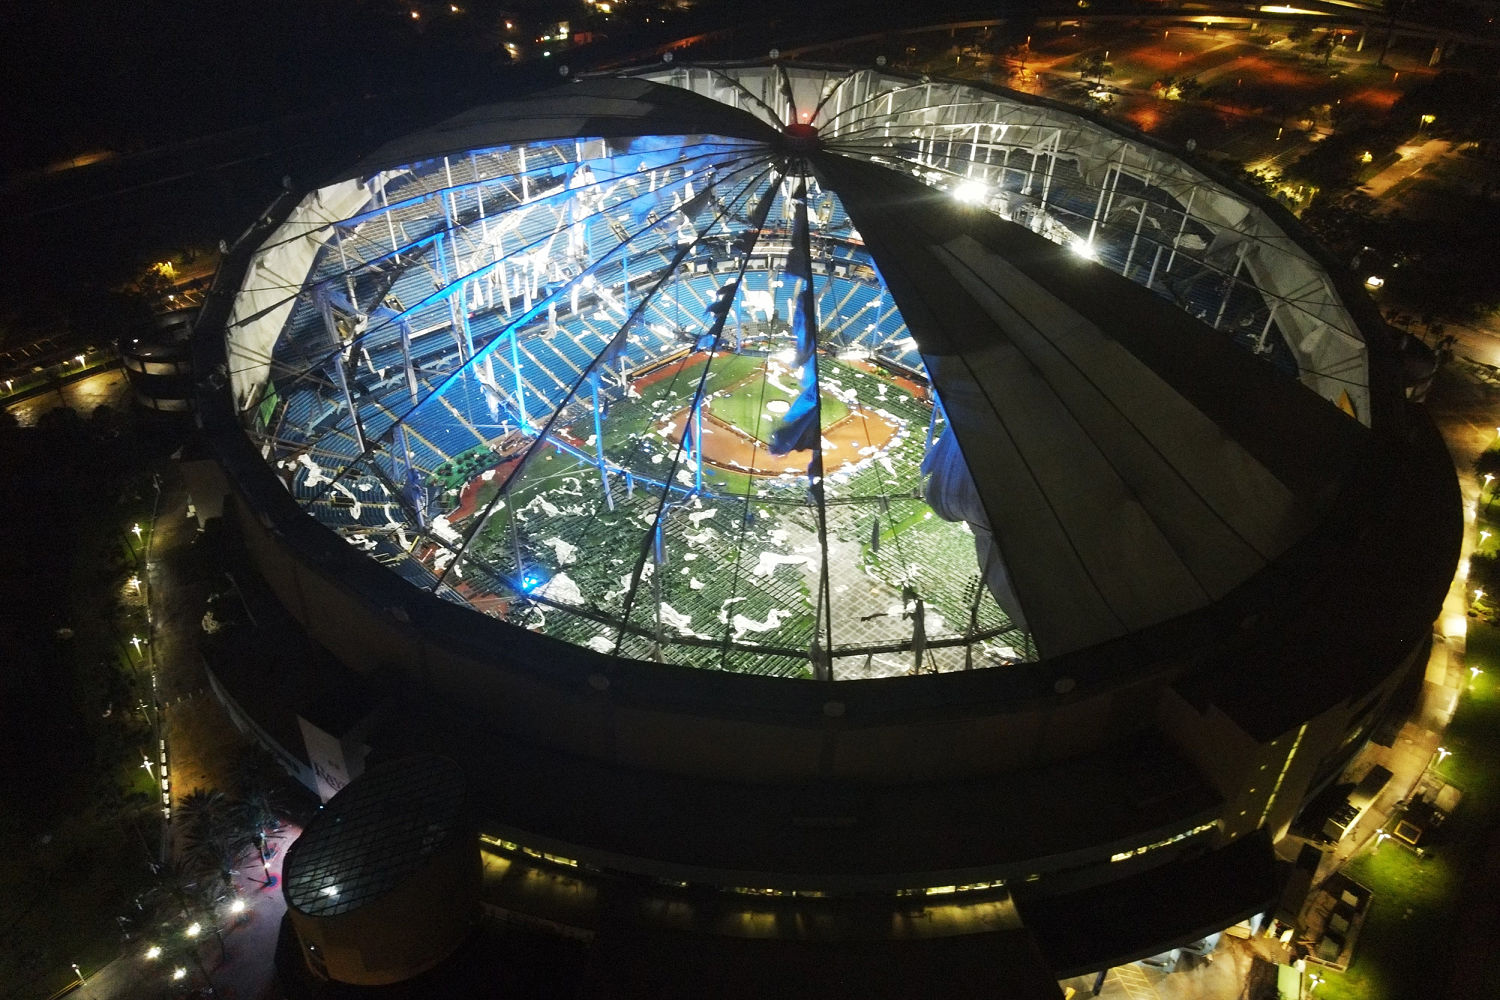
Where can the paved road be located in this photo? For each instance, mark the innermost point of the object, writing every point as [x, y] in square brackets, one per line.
[107, 388]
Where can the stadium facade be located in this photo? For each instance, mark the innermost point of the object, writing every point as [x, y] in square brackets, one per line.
[835, 484]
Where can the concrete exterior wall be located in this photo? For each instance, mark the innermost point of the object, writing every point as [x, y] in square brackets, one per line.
[405, 932]
[559, 707]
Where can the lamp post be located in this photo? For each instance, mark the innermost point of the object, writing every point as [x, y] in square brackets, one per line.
[1442, 752]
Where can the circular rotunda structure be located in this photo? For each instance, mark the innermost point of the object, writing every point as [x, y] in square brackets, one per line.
[393, 845]
[840, 438]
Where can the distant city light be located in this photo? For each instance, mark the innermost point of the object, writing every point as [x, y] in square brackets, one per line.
[1374, 281]
[179, 973]
[154, 952]
[194, 929]
[238, 906]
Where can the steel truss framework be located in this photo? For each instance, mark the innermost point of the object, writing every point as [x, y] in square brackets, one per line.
[501, 372]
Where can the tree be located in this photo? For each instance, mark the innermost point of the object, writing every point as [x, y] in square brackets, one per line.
[214, 833]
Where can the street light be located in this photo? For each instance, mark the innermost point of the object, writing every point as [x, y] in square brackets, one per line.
[238, 906]
[1443, 752]
[153, 952]
[179, 973]
[194, 929]
[135, 641]
[1474, 673]
[78, 974]
[137, 528]
[135, 582]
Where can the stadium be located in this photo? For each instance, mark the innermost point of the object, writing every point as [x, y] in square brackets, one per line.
[829, 484]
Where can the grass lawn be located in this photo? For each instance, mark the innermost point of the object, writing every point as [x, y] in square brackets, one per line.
[1403, 949]
[1395, 955]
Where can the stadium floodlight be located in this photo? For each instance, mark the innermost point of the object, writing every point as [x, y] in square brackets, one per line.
[971, 192]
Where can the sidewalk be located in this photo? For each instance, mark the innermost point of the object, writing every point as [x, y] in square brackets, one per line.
[245, 972]
[202, 745]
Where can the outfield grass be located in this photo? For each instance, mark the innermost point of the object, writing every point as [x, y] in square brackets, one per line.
[716, 581]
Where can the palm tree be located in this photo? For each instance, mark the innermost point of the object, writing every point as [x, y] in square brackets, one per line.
[213, 832]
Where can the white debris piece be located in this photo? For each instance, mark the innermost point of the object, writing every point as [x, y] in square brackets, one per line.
[599, 644]
[675, 618]
[561, 589]
[698, 517]
[768, 562]
[444, 531]
[358, 508]
[314, 471]
[774, 617]
[567, 553]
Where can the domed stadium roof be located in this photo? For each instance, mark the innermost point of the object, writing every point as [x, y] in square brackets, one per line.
[799, 370]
